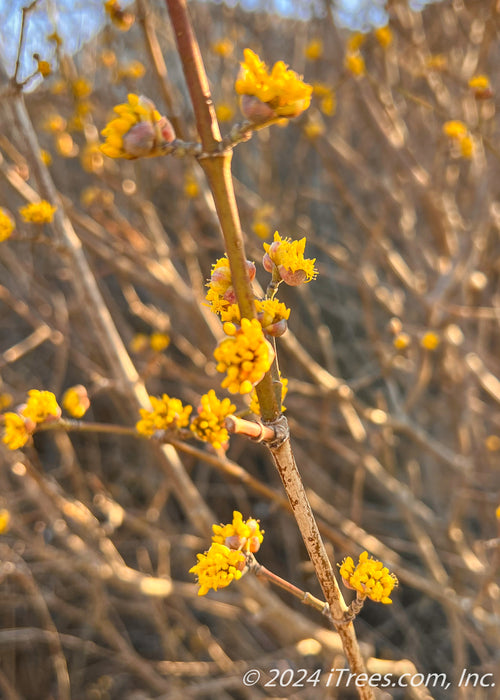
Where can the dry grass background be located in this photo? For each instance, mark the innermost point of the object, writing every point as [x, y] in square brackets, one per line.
[398, 448]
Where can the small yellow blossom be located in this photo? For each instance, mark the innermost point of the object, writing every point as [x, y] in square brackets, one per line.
[355, 63]
[158, 341]
[191, 186]
[81, 88]
[220, 286]
[455, 129]
[4, 520]
[288, 257]
[246, 356]
[314, 50]
[282, 90]
[139, 343]
[492, 443]
[54, 123]
[167, 413]
[224, 112]
[7, 224]
[466, 147]
[41, 406]
[209, 424]
[75, 401]
[134, 70]
[497, 513]
[271, 311]
[244, 535]
[384, 36]
[328, 104]
[43, 68]
[46, 157]
[5, 400]
[401, 341]
[254, 399]
[218, 567]
[481, 86]
[108, 58]
[65, 145]
[91, 158]
[122, 19]
[15, 431]
[223, 47]
[355, 41]
[38, 212]
[261, 228]
[370, 578]
[139, 130]
[430, 340]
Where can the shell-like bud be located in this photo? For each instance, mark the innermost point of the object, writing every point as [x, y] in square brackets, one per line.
[166, 130]
[292, 278]
[267, 263]
[251, 269]
[230, 296]
[276, 329]
[140, 139]
[256, 111]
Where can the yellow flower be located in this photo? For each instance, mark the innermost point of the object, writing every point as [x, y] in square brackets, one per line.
[218, 567]
[438, 62]
[166, 413]
[38, 212]
[120, 18]
[466, 147]
[261, 228]
[46, 157]
[270, 312]
[355, 42]
[159, 341]
[5, 401]
[55, 123]
[41, 406]
[138, 130]
[314, 50]
[7, 224]
[355, 64]
[209, 424]
[15, 431]
[401, 341]
[81, 88]
[139, 343]
[492, 443]
[328, 104]
[430, 340]
[223, 47]
[254, 402]
[4, 520]
[384, 36]
[91, 158]
[43, 68]
[65, 145]
[497, 513]
[75, 401]
[220, 292]
[191, 187]
[224, 112]
[282, 90]
[244, 535]
[133, 70]
[370, 578]
[108, 58]
[455, 129]
[288, 257]
[481, 86]
[246, 356]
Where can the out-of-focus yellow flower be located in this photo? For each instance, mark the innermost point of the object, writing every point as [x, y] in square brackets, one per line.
[5, 400]
[54, 123]
[492, 443]
[497, 513]
[65, 145]
[401, 341]
[15, 431]
[243, 535]
[254, 399]
[75, 401]
[314, 50]
[191, 186]
[81, 88]
[466, 147]
[139, 343]
[167, 413]
[370, 578]
[209, 424]
[38, 212]
[384, 36]
[223, 47]
[218, 567]
[355, 42]
[158, 342]
[261, 228]
[437, 62]
[288, 257]
[4, 520]
[314, 128]
[282, 90]
[108, 58]
[97, 195]
[328, 104]
[59, 87]
[91, 158]
[245, 356]
[46, 157]
[139, 130]
[455, 129]
[7, 224]
[430, 341]
[224, 112]
[355, 63]
[43, 68]
[122, 19]
[134, 70]
[481, 86]
[41, 406]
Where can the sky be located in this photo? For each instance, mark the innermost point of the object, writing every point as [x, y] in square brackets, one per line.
[78, 20]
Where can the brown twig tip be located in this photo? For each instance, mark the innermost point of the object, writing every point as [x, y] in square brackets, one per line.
[255, 431]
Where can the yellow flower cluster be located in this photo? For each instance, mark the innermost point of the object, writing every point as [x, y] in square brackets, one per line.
[430, 341]
[270, 312]
[224, 112]
[139, 130]
[7, 224]
[41, 406]
[254, 399]
[288, 257]
[209, 424]
[458, 133]
[282, 89]
[314, 50]
[244, 535]
[75, 401]
[38, 212]
[370, 578]
[167, 413]
[246, 356]
[355, 63]
[43, 67]
[384, 36]
[223, 47]
[15, 430]
[218, 567]
[481, 86]
[122, 19]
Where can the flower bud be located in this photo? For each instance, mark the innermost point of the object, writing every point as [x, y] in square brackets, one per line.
[253, 544]
[221, 277]
[267, 263]
[251, 269]
[166, 130]
[139, 140]
[230, 296]
[292, 278]
[256, 111]
[29, 424]
[276, 329]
